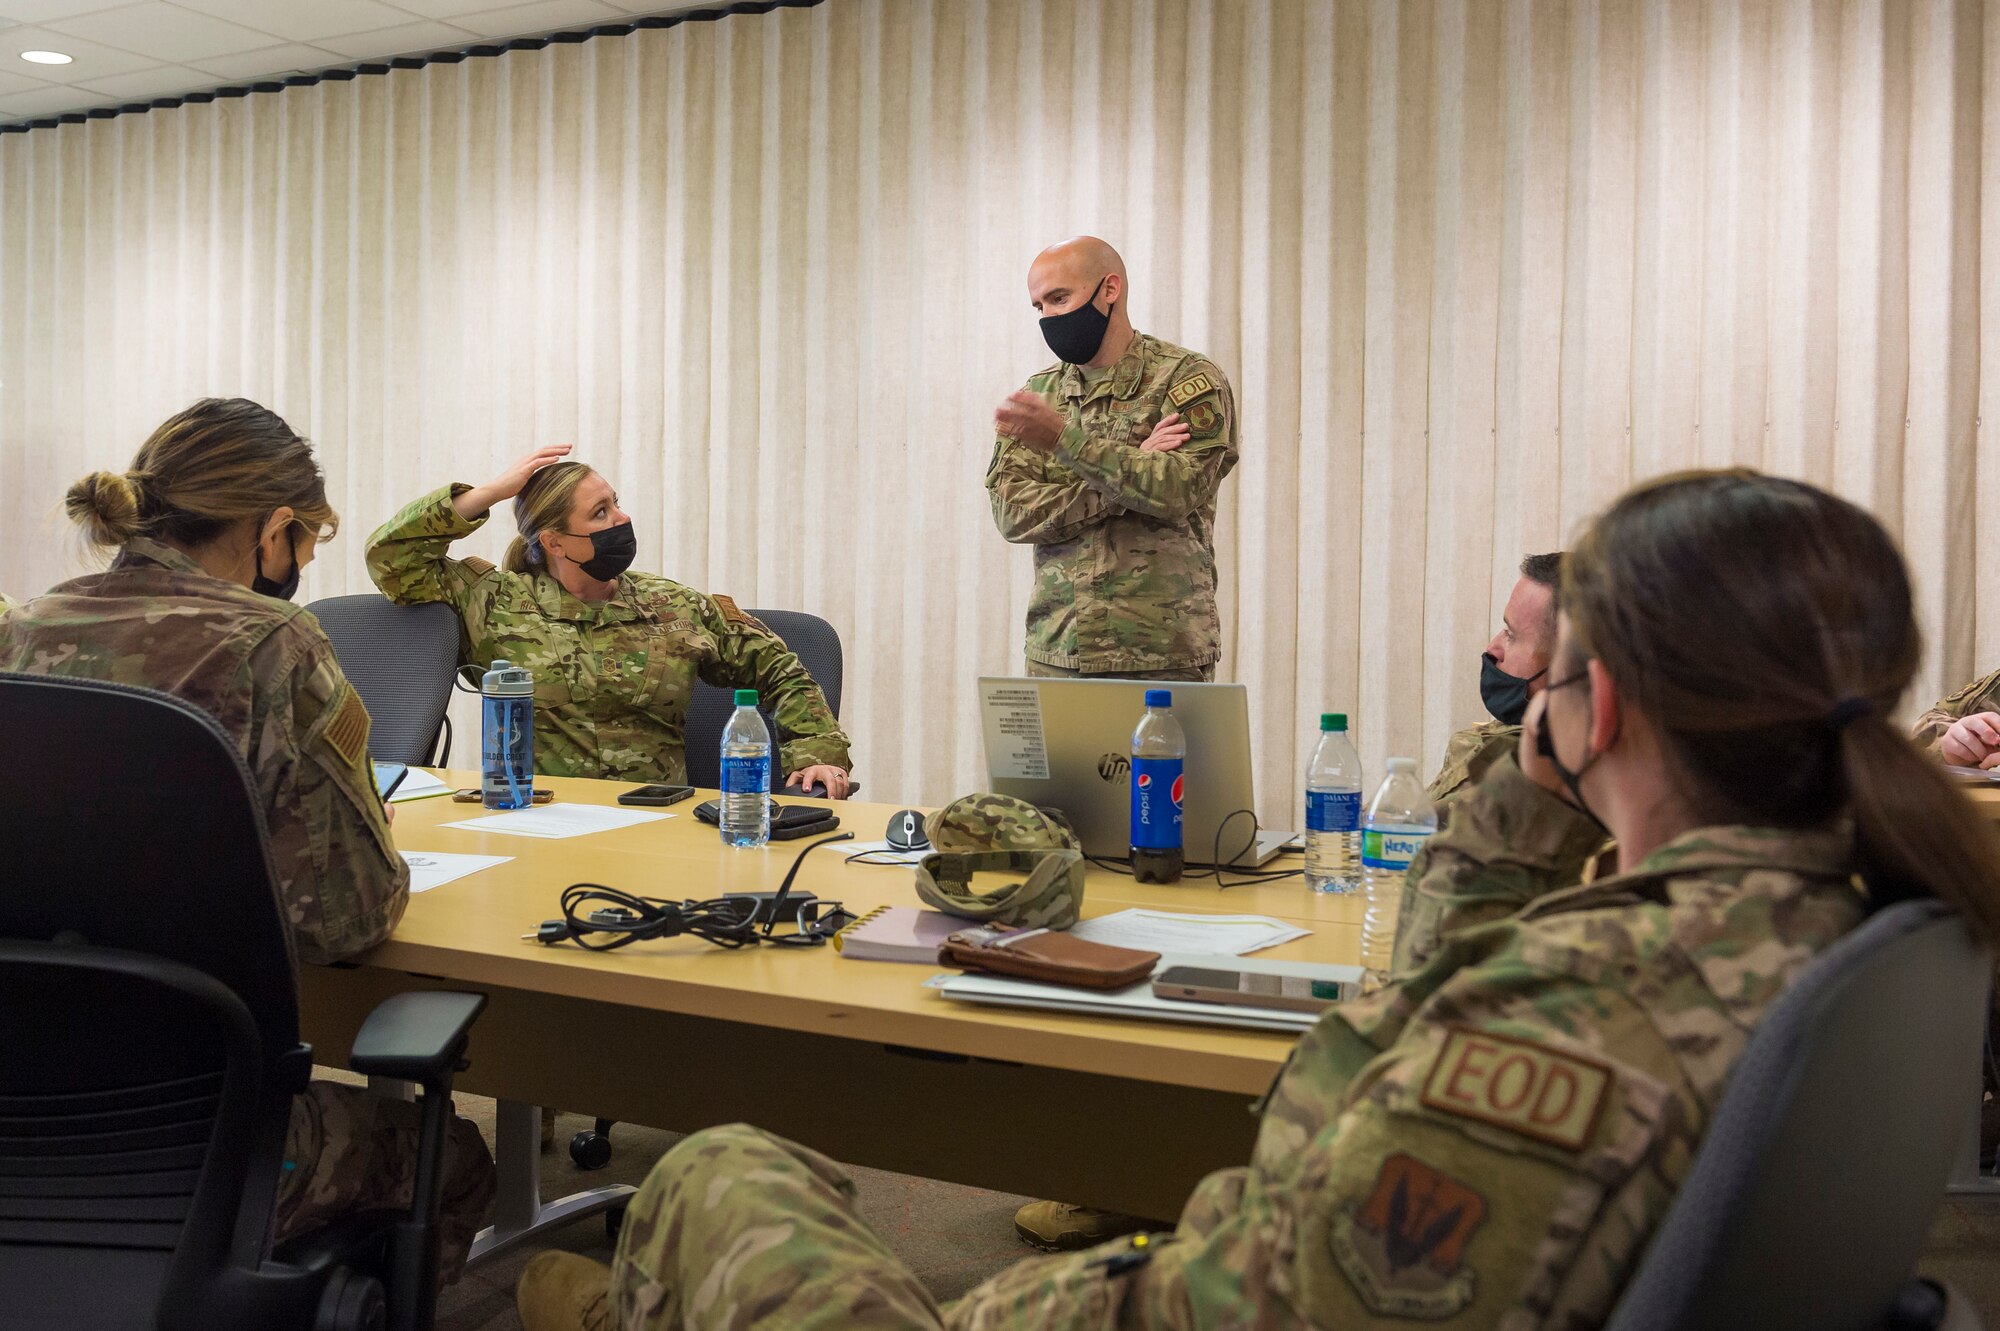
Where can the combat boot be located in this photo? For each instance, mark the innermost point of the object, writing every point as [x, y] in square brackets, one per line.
[562, 1291]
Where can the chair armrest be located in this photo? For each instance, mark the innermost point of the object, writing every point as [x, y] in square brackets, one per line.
[416, 1037]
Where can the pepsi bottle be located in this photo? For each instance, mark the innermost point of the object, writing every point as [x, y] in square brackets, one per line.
[1159, 755]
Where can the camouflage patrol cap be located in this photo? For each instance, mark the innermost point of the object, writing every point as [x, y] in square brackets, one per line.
[1050, 897]
[998, 822]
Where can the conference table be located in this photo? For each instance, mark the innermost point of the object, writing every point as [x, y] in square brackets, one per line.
[857, 1059]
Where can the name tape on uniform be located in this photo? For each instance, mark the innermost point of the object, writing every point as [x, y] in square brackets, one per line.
[1550, 1095]
[1188, 390]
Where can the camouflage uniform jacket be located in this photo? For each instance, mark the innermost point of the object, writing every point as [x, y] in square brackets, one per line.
[1124, 539]
[612, 678]
[1981, 695]
[1489, 1140]
[1468, 754]
[263, 668]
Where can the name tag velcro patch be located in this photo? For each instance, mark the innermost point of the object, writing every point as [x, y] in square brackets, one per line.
[1189, 389]
[1548, 1094]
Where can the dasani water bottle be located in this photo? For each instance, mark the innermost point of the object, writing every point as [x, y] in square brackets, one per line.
[1333, 810]
[746, 775]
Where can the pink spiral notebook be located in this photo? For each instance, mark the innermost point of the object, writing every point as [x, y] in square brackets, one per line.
[897, 933]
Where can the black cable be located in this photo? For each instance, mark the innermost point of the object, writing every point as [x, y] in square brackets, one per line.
[728, 921]
[1216, 867]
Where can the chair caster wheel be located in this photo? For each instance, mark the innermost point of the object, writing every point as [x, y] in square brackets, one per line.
[590, 1150]
[351, 1302]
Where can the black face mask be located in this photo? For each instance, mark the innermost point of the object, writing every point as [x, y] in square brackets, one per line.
[1075, 335]
[285, 590]
[1545, 745]
[612, 551]
[1505, 695]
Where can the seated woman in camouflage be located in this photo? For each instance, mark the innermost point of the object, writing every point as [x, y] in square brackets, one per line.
[1492, 1138]
[615, 655]
[222, 509]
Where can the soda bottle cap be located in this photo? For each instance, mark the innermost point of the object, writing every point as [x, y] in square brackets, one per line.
[1402, 764]
[1333, 720]
[746, 697]
[1159, 697]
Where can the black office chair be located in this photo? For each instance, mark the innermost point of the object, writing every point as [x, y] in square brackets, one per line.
[709, 708]
[401, 659]
[1808, 1202]
[817, 645]
[150, 1050]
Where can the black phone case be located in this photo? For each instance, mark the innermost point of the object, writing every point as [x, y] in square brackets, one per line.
[789, 822]
[674, 795]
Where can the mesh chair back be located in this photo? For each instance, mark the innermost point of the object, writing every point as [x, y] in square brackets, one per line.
[401, 659]
[817, 646]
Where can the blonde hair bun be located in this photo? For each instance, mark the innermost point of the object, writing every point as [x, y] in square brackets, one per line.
[106, 505]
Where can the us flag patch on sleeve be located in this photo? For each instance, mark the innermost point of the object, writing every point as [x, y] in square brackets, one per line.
[347, 732]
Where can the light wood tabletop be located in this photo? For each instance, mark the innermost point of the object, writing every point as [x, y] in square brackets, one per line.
[678, 1032]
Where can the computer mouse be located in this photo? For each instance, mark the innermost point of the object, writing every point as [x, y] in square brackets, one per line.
[906, 831]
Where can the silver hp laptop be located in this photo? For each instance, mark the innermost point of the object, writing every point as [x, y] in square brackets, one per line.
[1067, 743]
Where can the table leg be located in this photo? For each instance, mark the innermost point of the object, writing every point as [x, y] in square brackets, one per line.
[1966, 1176]
[519, 1213]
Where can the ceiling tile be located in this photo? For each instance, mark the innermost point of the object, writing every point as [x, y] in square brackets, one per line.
[12, 82]
[92, 60]
[305, 20]
[36, 11]
[444, 8]
[542, 16]
[268, 61]
[150, 83]
[51, 102]
[163, 32]
[410, 37]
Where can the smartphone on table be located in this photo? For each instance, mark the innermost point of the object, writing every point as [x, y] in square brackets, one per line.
[655, 796]
[1293, 993]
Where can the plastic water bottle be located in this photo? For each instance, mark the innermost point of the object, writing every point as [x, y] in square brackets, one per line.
[1159, 759]
[746, 775]
[507, 737]
[1400, 820]
[1333, 810]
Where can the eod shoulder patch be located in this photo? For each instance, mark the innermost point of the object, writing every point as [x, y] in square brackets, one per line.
[1533, 1089]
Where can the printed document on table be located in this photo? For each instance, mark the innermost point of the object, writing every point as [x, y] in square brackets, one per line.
[1163, 931]
[433, 868]
[418, 785]
[555, 821]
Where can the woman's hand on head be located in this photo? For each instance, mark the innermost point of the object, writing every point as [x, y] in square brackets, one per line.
[508, 483]
[833, 778]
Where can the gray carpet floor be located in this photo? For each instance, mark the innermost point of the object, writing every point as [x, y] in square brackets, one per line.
[954, 1237]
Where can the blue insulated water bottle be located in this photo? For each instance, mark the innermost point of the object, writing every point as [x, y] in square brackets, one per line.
[507, 737]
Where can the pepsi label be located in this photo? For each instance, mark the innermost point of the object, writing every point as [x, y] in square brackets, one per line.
[1158, 785]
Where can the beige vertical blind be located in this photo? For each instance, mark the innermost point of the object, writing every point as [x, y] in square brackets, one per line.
[1474, 266]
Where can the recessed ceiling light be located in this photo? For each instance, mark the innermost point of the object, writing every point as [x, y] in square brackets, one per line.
[45, 57]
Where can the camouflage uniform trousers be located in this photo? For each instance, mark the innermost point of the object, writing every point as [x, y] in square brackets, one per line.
[736, 1228]
[349, 1151]
[1184, 675]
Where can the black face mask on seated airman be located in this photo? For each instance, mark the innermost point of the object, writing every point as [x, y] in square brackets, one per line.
[612, 551]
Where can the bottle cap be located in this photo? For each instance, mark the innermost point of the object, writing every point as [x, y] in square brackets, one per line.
[746, 697]
[1333, 720]
[1159, 697]
[1402, 764]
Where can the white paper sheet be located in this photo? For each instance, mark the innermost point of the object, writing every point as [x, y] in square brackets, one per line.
[418, 785]
[1162, 931]
[876, 852]
[433, 868]
[555, 821]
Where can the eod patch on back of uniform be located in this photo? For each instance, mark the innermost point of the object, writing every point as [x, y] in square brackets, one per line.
[1533, 1089]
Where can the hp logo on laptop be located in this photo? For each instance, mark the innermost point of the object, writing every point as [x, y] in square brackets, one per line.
[1114, 768]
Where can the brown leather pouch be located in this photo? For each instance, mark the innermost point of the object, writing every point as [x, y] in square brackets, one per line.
[1048, 956]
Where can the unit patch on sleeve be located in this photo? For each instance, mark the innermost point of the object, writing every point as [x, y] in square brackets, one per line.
[1403, 1249]
[1548, 1094]
[1189, 389]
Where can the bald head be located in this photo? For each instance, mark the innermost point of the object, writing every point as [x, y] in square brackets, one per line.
[1063, 276]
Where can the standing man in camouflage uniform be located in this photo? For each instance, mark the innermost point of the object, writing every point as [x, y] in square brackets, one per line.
[1109, 464]
[1491, 1139]
[223, 507]
[615, 654]
[1511, 671]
